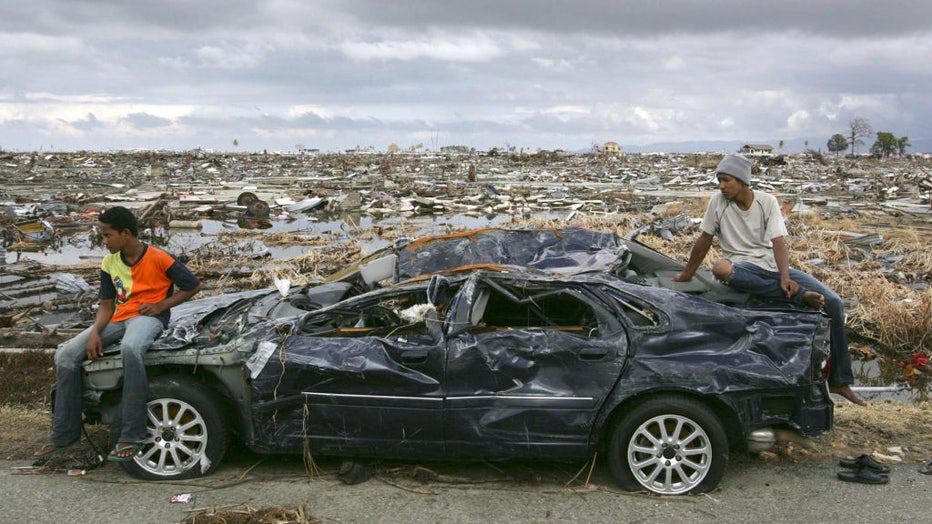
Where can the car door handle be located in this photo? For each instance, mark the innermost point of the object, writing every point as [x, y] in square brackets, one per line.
[414, 356]
[593, 353]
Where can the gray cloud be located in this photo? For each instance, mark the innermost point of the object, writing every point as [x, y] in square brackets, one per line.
[829, 17]
[88, 123]
[146, 121]
[334, 74]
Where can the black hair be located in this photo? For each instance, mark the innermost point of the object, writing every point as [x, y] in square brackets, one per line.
[120, 218]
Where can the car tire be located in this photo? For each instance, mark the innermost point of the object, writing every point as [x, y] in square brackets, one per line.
[257, 208]
[245, 198]
[188, 434]
[669, 445]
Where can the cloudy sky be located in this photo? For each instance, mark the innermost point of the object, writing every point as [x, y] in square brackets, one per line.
[251, 75]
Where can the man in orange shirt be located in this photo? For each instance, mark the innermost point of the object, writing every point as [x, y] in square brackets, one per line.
[137, 292]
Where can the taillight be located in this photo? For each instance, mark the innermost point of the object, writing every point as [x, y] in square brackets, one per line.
[826, 367]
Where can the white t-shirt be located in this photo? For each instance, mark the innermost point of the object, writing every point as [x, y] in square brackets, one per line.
[746, 235]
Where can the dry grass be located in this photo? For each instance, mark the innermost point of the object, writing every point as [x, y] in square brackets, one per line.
[248, 514]
[24, 431]
[896, 317]
[26, 378]
[886, 310]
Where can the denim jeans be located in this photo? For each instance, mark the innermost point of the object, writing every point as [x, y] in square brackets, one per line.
[135, 335]
[749, 278]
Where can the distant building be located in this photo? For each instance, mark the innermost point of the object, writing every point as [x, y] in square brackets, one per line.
[756, 150]
[611, 148]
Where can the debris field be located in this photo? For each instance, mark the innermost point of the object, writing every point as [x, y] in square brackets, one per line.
[242, 220]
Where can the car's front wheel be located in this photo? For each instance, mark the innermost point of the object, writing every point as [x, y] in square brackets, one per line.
[187, 431]
[669, 445]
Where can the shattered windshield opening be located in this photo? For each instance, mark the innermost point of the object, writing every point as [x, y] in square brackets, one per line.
[408, 314]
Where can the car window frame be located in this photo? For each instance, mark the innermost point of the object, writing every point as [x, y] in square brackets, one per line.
[606, 318]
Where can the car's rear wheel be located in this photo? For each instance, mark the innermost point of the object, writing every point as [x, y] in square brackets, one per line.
[669, 445]
[187, 432]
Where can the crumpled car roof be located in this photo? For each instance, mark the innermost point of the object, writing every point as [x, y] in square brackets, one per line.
[564, 251]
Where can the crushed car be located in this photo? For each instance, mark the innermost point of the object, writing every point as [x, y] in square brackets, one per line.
[491, 344]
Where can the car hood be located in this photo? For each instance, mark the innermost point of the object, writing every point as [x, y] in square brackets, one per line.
[187, 318]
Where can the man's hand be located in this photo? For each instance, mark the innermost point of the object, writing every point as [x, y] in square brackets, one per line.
[95, 348]
[149, 310]
[790, 287]
[682, 277]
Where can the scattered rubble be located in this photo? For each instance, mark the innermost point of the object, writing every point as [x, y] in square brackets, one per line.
[242, 220]
[199, 185]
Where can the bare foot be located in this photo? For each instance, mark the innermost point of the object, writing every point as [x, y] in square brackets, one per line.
[47, 451]
[846, 392]
[813, 299]
[51, 449]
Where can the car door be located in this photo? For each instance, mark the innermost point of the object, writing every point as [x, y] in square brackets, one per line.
[528, 366]
[362, 377]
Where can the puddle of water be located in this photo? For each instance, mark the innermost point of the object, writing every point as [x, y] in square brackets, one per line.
[881, 372]
[78, 248]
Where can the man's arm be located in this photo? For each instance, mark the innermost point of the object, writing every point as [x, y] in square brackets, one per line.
[696, 256]
[782, 257]
[176, 298]
[105, 309]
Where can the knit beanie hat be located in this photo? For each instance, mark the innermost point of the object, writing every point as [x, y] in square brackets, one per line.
[737, 166]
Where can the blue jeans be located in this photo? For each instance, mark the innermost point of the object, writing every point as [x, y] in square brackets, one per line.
[749, 278]
[135, 335]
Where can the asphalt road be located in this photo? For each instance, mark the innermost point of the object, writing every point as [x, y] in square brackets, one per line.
[752, 491]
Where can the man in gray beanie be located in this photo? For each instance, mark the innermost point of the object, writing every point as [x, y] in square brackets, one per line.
[738, 166]
[751, 232]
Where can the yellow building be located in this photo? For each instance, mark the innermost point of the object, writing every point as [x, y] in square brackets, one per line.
[612, 148]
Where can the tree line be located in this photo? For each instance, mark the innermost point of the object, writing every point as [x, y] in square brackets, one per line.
[887, 144]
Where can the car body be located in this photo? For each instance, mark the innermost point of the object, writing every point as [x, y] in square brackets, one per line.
[548, 344]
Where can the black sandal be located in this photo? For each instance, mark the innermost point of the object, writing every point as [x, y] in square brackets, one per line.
[926, 469]
[863, 476]
[865, 461]
[119, 452]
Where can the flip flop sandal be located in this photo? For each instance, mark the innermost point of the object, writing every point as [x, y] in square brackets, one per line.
[52, 450]
[115, 455]
[865, 461]
[926, 469]
[863, 476]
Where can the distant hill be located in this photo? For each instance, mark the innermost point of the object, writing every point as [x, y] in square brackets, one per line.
[794, 145]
